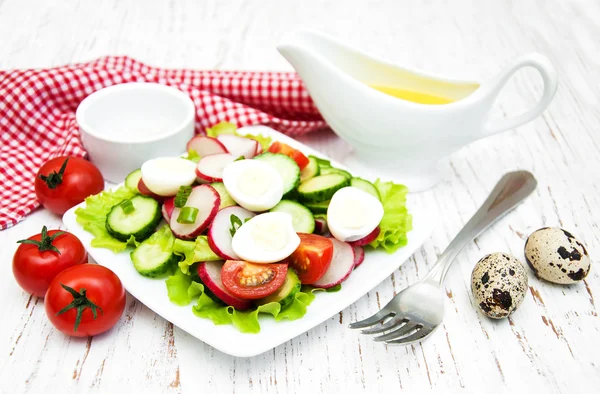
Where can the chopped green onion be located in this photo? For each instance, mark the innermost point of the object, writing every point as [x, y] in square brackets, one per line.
[127, 206]
[240, 158]
[187, 215]
[235, 224]
[182, 196]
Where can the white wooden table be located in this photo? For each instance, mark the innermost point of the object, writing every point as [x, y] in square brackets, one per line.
[550, 345]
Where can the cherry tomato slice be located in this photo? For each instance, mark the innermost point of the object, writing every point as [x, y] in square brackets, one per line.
[299, 157]
[252, 281]
[312, 258]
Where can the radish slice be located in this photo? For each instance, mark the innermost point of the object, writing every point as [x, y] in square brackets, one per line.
[359, 255]
[144, 191]
[206, 146]
[259, 149]
[341, 265]
[210, 168]
[239, 146]
[167, 208]
[321, 226]
[210, 274]
[368, 239]
[219, 235]
[206, 199]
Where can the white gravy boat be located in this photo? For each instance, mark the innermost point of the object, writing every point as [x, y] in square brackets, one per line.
[395, 138]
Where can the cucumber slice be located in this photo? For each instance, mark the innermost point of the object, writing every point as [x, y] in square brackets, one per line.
[286, 293]
[140, 223]
[226, 200]
[150, 260]
[302, 219]
[318, 207]
[321, 162]
[133, 178]
[333, 170]
[322, 187]
[287, 168]
[366, 186]
[311, 170]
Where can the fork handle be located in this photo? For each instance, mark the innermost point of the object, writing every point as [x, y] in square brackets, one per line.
[512, 188]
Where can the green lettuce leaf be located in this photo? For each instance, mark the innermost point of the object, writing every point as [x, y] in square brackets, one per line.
[177, 288]
[93, 217]
[265, 142]
[221, 128]
[229, 128]
[396, 221]
[182, 290]
[193, 251]
[192, 155]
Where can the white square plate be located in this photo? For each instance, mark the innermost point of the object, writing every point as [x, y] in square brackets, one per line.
[377, 266]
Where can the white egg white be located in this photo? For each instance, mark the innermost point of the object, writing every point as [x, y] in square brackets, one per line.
[353, 214]
[253, 184]
[266, 238]
[164, 175]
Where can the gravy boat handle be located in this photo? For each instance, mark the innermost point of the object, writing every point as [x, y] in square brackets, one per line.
[550, 79]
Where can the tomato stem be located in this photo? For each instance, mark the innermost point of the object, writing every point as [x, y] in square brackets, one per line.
[80, 302]
[45, 243]
[55, 178]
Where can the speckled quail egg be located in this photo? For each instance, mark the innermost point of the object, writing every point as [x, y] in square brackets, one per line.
[499, 284]
[557, 256]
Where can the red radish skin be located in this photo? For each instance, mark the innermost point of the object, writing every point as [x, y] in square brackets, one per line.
[167, 208]
[368, 239]
[321, 226]
[206, 146]
[206, 199]
[219, 236]
[210, 168]
[359, 255]
[239, 146]
[210, 274]
[259, 149]
[341, 265]
[144, 191]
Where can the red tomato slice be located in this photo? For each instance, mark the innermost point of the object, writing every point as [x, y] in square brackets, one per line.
[312, 258]
[299, 157]
[252, 281]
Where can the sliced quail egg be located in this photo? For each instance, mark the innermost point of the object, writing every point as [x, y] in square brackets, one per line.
[164, 175]
[266, 238]
[499, 284]
[557, 256]
[253, 184]
[353, 214]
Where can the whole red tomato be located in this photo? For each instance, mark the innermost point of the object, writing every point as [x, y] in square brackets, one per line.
[41, 257]
[85, 300]
[63, 182]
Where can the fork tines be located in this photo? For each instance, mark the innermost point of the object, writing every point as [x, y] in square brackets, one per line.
[396, 329]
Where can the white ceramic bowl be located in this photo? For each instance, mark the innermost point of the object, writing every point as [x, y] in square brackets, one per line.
[124, 125]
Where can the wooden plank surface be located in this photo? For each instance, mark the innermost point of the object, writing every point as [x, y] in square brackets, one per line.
[550, 345]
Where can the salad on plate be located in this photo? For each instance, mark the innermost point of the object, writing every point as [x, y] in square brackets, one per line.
[243, 225]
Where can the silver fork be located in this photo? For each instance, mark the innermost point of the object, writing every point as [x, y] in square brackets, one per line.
[418, 310]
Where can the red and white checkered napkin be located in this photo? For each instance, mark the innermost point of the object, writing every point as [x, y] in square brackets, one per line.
[37, 112]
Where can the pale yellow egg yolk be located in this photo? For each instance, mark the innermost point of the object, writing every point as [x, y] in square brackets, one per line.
[254, 182]
[270, 235]
[351, 212]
